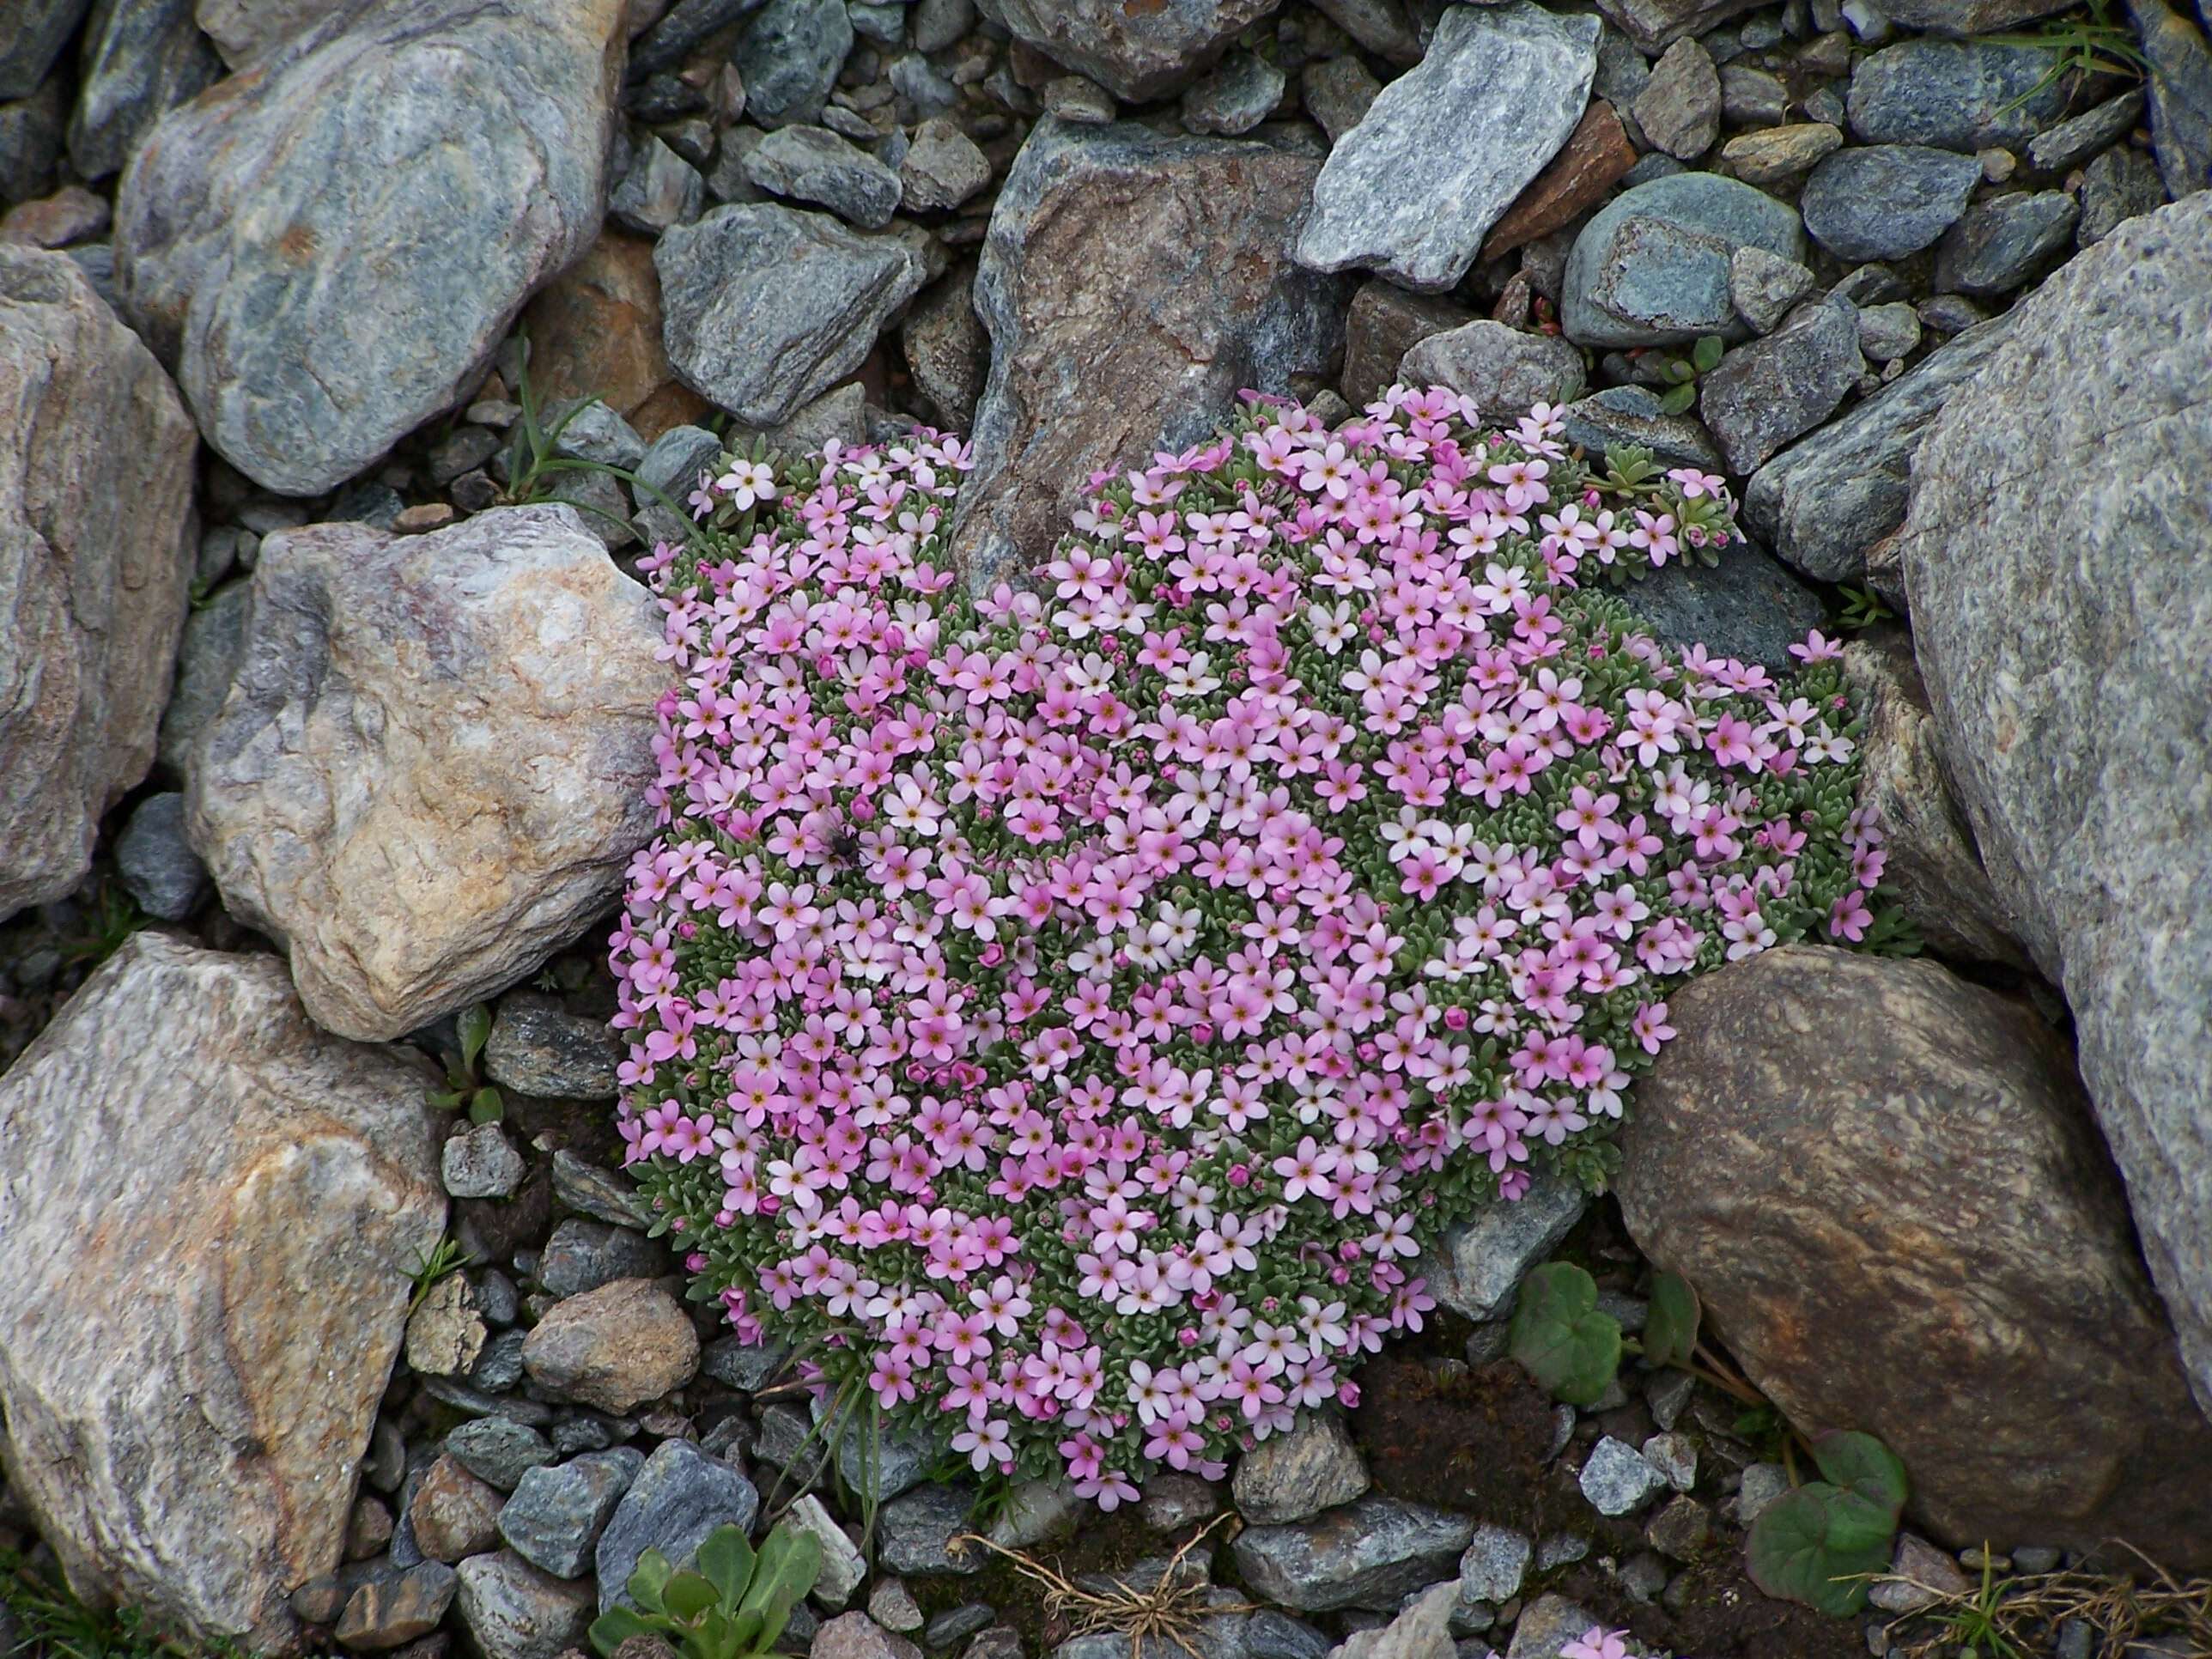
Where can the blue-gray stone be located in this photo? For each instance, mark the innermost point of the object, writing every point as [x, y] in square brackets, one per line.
[915, 1533]
[158, 866]
[1237, 95]
[1624, 415]
[1652, 268]
[679, 1497]
[1765, 393]
[2004, 243]
[498, 1451]
[1957, 95]
[32, 35]
[1368, 1553]
[582, 1256]
[789, 56]
[1885, 200]
[558, 1512]
[1269, 1634]
[141, 58]
[813, 164]
[1747, 606]
[2180, 86]
[30, 144]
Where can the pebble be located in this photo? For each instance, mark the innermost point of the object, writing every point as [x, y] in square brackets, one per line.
[481, 1162]
[1371, 1552]
[453, 1514]
[1174, 1502]
[1675, 1456]
[1077, 99]
[2072, 143]
[614, 1347]
[1955, 94]
[788, 57]
[1763, 286]
[843, 1570]
[1932, 1575]
[1617, 1479]
[1234, 96]
[891, 1605]
[1753, 98]
[1679, 108]
[1295, 1476]
[679, 1497]
[498, 1367]
[1762, 1485]
[1765, 393]
[954, 1623]
[856, 1636]
[558, 1512]
[1560, 1550]
[511, 1610]
[2001, 244]
[582, 1256]
[391, 1609]
[1495, 1562]
[744, 1366]
[1270, 1634]
[1644, 1575]
[1626, 414]
[1338, 92]
[1885, 200]
[445, 1332]
[1681, 1528]
[2034, 1559]
[1549, 1624]
[660, 189]
[914, 1531]
[936, 24]
[368, 1528]
[943, 168]
[1478, 1267]
[158, 866]
[497, 1451]
[1887, 333]
[813, 164]
[2117, 186]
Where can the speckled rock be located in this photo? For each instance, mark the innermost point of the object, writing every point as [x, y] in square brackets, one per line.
[1366, 1553]
[512, 1611]
[1748, 606]
[1652, 267]
[1295, 1476]
[1482, 1260]
[1765, 393]
[679, 1497]
[614, 1347]
[1505, 370]
[536, 1048]
[141, 59]
[2002, 244]
[1885, 201]
[32, 34]
[1957, 94]
[1135, 52]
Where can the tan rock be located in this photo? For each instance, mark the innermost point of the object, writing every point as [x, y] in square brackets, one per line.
[614, 1347]
[208, 1209]
[1884, 1183]
[433, 761]
[243, 30]
[96, 549]
[454, 1514]
[595, 331]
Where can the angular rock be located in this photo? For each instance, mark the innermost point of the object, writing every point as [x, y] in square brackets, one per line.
[2117, 186]
[1234, 96]
[1825, 500]
[1295, 1476]
[1885, 200]
[1550, 1624]
[1765, 393]
[843, 1567]
[30, 143]
[659, 189]
[601, 1195]
[1748, 606]
[1679, 108]
[453, 1514]
[1337, 92]
[1652, 268]
[1385, 323]
[1504, 369]
[389, 1611]
[767, 306]
[1366, 1553]
[1955, 94]
[942, 168]
[947, 352]
[614, 1347]
[2074, 141]
[1913, 1154]
[1778, 155]
[2180, 88]
[32, 35]
[1132, 285]
[512, 1611]
[214, 1317]
[1483, 1260]
[498, 1451]
[480, 1162]
[679, 1497]
[914, 1531]
[141, 59]
[433, 160]
[1966, 16]
[1495, 1562]
[1596, 155]
[674, 467]
[1887, 333]
[244, 30]
[1762, 286]
[1618, 1479]
[2006, 242]
[813, 164]
[788, 57]
[537, 1049]
[446, 1332]
[97, 546]
[1412, 189]
[431, 767]
[1656, 24]
[1418, 1632]
[558, 1512]
[595, 331]
[1632, 415]
[159, 869]
[582, 1256]
[1136, 52]
[2058, 554]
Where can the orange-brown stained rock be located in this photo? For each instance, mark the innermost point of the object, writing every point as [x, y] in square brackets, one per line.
[595, 331]
[1885, 1184]
[1596, 153]
[208, 1211]
[614, 1347]
[455, 1514]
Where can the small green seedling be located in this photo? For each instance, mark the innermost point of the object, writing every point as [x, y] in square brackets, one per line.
[1820, 1543]
[463, 1086]
[446, 1259]
[1682, 374]
[730, 1603]
[1863, 608]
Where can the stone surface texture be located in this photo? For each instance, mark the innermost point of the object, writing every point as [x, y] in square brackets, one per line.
[595, 331]
[1135, 52]
[328, 249]
[1912, 1157]
[2059, 559]
[1652, 267]
[194, 1338]
[431, 767]
[1505, 370]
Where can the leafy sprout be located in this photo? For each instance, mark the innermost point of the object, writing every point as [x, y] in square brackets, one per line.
[2085, 45]
[463, 1086]
[729, 1602]
[446, 1259]
[1863, 607]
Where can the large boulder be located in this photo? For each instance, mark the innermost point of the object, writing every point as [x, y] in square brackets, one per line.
[1137, 51]
[2057, 555]
[1886, 1186]
[208, 1209]
[434, 759]
[328, 249]
[96, 551]
[1132, 284]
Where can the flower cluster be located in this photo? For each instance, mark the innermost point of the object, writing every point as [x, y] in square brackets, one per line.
[1069, 1013]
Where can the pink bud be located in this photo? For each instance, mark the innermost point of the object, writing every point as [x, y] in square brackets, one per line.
[992, 957]
[1240, 1175]
[1347, 1394]
[1202, 1032]
[1187, 1337]
[1339, 1275]
[687, 930]
[1455, 1019]
[862, 808]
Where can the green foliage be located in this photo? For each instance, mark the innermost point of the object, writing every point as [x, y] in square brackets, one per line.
[1979, 1626]
[2084, 44]
[1819, 1544]
[1634, 472]
[730, 1603]
[113, 917]
[463, 1086]
[1681, 373]
[1561, 1338]
[50, 1623]
[1863, 607]
[1670, 1329]
[446, 1259]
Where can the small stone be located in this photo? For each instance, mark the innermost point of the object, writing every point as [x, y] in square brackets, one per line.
[1505, 370]
[856, 1636]
[1548, 1625]
[444, 1333]
[1003, 1642]
[1560, 1550]
[2037, 1558]
[1495, 1562]
[422, 518]
[954, 1623]
[1234, 96]
[1885, 200]
[2117, 186]
[1075, 99]
[1621, 415]
[1371, 1551]
[1752, 97]
[1338, 92]
[479, 1162]
[914, 1531]
[388, 1611]
[1175, 1503]
[368, 1528]
[498, 1451]
[1680, 108]
[1930, 1574]
[1616, 1478]
[1037, 1511]
[1652, 267]
[2077, 1639]
[582, 1256]
[70, 215]
[1763, 286]
[659, 190]
[1956, 94]
[614, 1347]
[1767, 392]
[1596, 156]
[1295, 1476]
[891, 1605]
[513, 1611]
[813, 164]
[2004, 243]
[934, 25]
[1675, 1456]
[1384, 324]
[788, 57]
[1762, 1485]
[2072, 143]
[453, 1514]
[1778, 155]
[942, 168]
[2178, 62]
[158, 866]
[1748, 606]
[843, 1570]
[1680, 1529]
[1889, 332]
[1420, 1631]
[1269, 1634]
[557, 1513]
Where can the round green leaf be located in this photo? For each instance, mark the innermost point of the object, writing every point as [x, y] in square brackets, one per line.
[1559, 1336]
[1859, 1462]
[1707, 353]
[1807, 1544]
[1678, 399]
[1670, 1329]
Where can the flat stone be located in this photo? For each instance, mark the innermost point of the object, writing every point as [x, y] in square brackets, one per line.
[843, 1567]
[1234, 96]
[1133, 285]
[2074, 141]
[1652, 268]
[389, 1611]
[1763, 286]
[243, 1266]
[1679, 108]
[1481, 1262]
[159, 868]
[2179, 82]
[1295, 1476]
[788, 55]
[1748, 606]
[1825, 500]
[97, 549]
[767, 306]
[914, 1531]
[1548, 1625]
[595, 331]
[2004, 243]
[1618, 1480]
[1776, 155]
[511, 1610]
[138, 61]
[1077, 99]
[1368, 1553]
[538, 1049]
[678, 1498]
[813, 164]
[497, 1451]
[1621, 415]
[1764, 394]
[1983, 1145]
[1337, 92]
[1504, 369]
[440, 161]
[1654, 24]
[558, 1512]
[1595, 157]
[1137, 55]
[1445, 148]
[614, 1347]
[1495, 1562]
[1885, 200]
[582, 1256]
[1955, 94]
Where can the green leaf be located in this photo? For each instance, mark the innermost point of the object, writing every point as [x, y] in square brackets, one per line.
[727, 1560]
[474, 1024]
[1676, 372]
[445, 1099]
[616, 1626]
[1805, 1541]
[1860, 1463]
[686, 1595]
[647, 1580]
[745, 1631]
[1670, 1330]
[487, 1107]
[1678, 399]
[1707, 353]
[1559, 1336]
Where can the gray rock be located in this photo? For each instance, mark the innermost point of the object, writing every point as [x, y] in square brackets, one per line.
[1175, 1503]
[498, 1451]
[1234, 96]
[582, 1256]
[933, 25]
[237, 1268]
[1269, 1634]
[678, 1498]
[1652, 24]
[2072, 143]
[1482, 1262]
[2083, 454]
[1367, 1554]
[97, 548]
[843, 1568]
[1621, 415]
[1078, 100]
[813, 164]
[1420, 1631]
[30, 143]
[1752, 97]
[1504, 369]
[856, 1636]
[299, 794]
[437, 158]
[480, 1162]
[1295, 1476]
[1652, 268]
[1617, 1479]
[1769, 391]
[1825, 500]
[914, 1531]
[1136, 55]
[672, 465]
[891, 1605]
[558, 1512]
[766, 307]
[789, 55]
[1339, 91]
[659, 189]
[511, 1610]
[1444, 149]
[1679, 108]
[1887, 333]
[1675, 1457]
[597, 1193]
[32, 35]
[1548, 1625]
[614, 1347]
[2117, 186]
[1495, 1562]
[941, 168]
[244, 30]
[1956, 94]
[158, 866]
[1763, 286]
[947, 352]
[1748, 606]
[1037, 1512]
[2004, 243]
[538, 1049]
[1762, 1484]
[1118, 328]
[883, 1462]
[2181, 87]
[141, 59]
[499, 1368]
[1885, 200]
